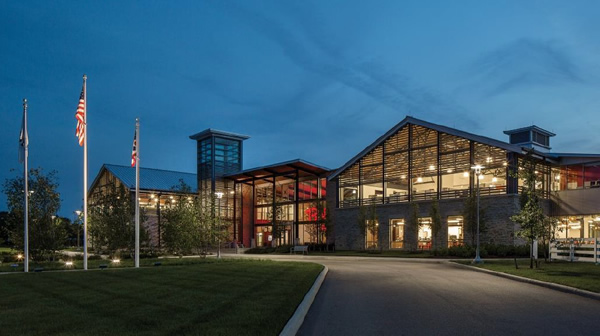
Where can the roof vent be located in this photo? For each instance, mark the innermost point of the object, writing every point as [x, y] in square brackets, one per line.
[531, 137]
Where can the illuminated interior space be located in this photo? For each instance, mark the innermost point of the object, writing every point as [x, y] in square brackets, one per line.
[415, 162]
[420, 162]
[296, 189]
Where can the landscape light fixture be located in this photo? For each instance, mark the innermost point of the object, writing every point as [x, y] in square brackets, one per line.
[477, 169]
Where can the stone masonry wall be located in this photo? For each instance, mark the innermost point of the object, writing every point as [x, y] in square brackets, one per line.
[498, 209]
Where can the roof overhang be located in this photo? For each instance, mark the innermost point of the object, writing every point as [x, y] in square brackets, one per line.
[222, 134]
[295, 168]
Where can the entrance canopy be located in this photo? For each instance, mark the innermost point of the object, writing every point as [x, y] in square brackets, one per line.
[294, 168]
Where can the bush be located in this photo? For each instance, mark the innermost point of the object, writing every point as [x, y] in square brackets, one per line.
[440, 252]
[260, 250]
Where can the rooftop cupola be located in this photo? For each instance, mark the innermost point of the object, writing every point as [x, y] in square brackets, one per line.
[531, 137]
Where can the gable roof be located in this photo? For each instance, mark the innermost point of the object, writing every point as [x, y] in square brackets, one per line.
[150, 178]
[439, 128]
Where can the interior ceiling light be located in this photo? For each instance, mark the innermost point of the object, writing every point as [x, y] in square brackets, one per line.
[419, 179]
[449, 170]
[432, 167]
[488, 160]
[466, 174]
[494, 179]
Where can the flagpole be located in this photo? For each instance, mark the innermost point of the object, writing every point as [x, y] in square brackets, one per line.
[26, 179]
[85, 168]
[137, 192]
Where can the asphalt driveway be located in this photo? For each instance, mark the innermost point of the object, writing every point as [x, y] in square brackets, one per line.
[400, 297]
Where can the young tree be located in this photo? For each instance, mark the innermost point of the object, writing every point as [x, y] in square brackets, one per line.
[436, 223]
[181, 226]
[317, 214]
[46, 235]
[531, 218]
[373, 224]
[361, 223]
[469, 214]
[412, 226]
[276, 217]
[193, 224]
[112, 221]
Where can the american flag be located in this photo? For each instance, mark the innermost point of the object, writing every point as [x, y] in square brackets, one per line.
[80, 116]
[134, 150]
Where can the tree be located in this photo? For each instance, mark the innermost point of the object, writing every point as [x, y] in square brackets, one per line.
[361, 223]
[372, 224]
[182, 226]
[193, 224]
[112, 222]
[469, 214]
[412, 225]
[436, 222]
[6, 226]
[318, 217]
[46, 235]
[531, 218]
[276, 217]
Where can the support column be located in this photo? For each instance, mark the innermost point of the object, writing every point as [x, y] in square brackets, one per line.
[410, 136]
[234, 211]
[296, 203]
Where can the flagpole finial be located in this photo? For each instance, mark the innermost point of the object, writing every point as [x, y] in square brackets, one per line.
[84, 76]
[24, 101]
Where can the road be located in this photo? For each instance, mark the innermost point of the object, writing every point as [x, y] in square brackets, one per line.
[400, 297]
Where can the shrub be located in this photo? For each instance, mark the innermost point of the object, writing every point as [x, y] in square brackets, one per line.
[261, 250]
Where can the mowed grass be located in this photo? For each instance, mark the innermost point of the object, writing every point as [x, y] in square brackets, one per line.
[579, 275]
[218, 297]
[96, 263]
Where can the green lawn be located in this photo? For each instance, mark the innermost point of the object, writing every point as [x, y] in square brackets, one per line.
[212, 297]
[579, 275]
[95, 264]
[6, 250]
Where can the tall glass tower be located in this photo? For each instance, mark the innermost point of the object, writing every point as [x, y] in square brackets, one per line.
[219, 153]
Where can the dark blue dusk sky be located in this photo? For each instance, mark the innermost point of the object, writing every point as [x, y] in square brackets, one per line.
[317, 80]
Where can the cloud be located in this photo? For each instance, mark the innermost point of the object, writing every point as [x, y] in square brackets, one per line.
[521, 64]
[369, 78]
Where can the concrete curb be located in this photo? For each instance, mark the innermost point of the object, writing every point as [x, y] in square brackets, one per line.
[295, 322]
[558, 287]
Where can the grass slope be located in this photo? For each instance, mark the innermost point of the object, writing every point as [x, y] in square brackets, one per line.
[579, 275]
[211, 298]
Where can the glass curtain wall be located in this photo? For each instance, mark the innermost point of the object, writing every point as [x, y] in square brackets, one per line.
[455, 166]
[424, 164]
[371, 172]
[577, 176]
[493, 176]
[418, 163]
